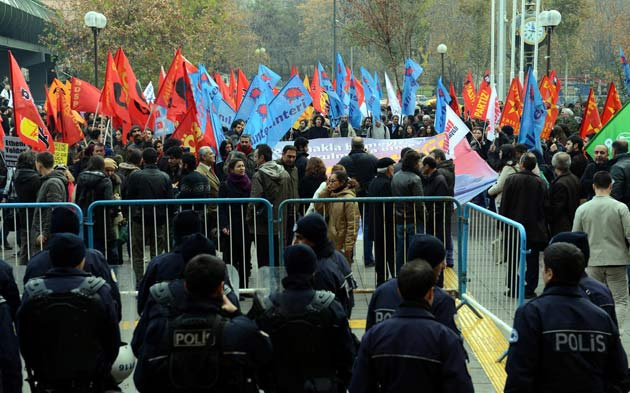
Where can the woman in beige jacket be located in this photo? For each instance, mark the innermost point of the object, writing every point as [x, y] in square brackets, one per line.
[509, 166]
[342, 217]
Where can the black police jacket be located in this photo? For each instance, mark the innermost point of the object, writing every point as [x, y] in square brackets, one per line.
[562, 342]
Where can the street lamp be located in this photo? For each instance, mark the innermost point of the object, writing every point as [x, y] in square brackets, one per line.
[549, 20]
[96, 21]
[442, 51]
[260, 51]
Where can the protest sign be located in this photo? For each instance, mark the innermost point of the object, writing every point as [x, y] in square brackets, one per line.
[13, 146]
[61, 153]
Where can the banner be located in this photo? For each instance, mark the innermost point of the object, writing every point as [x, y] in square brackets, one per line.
[84, 96]
[13, 147]
[61, 153]
[472, 173]
[616, 128]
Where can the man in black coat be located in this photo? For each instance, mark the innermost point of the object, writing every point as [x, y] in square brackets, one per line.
[564, 195]
[382, 219]
[447, 169]
[26, 181]
[525, 200]
[600, 163]
[301, 144]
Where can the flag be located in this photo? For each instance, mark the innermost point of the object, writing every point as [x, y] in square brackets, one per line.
[258, 92]
[268, 76]
[224, 90]
[410, 86]
[455, 130]
[550, 98]
[29, 125]
[138, 108]
[149, 93]
[242, 84]
[189, 132]
[163, 126]
[615, 128]
[454, 103]
[335, 105]
[557, 85]
[469, 94]
[341, 87]
[287, 106]
[392, 99]
[113, 101]
[612, 105]
[84, 96]
[172, 92]
[371, 95]
[318, 94]
[493, 115]
[443, 99]
[591, 122]
[354, 108]
[233, 85]
[51, 104]
[306, 83]
[206, 95]
[480, 107]
[70, 130]
[626, 70]
[294, 71]
[513, 107]
[534, 114]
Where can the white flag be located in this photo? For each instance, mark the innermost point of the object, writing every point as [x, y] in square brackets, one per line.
[493, 114]
[392, 98]
[455, 130]
[149, 93]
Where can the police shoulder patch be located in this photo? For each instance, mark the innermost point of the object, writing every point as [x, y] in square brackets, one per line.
[513, 336]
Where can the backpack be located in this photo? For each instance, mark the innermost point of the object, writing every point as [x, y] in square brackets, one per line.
[303, 365]
[60, 336]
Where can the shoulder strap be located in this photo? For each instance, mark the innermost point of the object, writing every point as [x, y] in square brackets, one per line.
[321, 300]
[2, 300]
[89, 286]
[265, 303]
[36, 287]
[162, 293]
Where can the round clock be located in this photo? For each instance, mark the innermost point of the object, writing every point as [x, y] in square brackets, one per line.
[532, 33]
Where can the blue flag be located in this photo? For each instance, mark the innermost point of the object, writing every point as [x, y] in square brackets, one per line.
[372, 102]
[340, 88]
[163, 126]
[268, 75]
[354, 111]
[534, 114]
[443, 99]
[335, 110]
[377, 85]
[626, 70]
[410, 86]
[205, 95]
[258, 91]
[287, 107]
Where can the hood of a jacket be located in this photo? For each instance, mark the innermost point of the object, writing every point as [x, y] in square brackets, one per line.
[345, 192]
[91, 178]
[127, 166]
[448, 165]
[56, 174]
[25, 176]
[272, 169]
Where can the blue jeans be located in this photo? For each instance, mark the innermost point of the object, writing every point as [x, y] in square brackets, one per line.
[404, 234]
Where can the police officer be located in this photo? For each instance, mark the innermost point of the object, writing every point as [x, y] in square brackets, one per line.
[313, 345]
[333, 272]
[386, 298]
[67, 323]
[203, 344]
[10, 364]
[597, 292]
[411, 351]
[561, 342]
[65, 220]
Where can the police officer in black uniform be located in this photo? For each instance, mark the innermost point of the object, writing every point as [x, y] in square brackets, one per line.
[333, 272]
[386, 299]
[411, 351]
[313, 345]
[67, 323]
[10, 364]
[65, 220]
[203, 344]
[597, 292]
[561, 342]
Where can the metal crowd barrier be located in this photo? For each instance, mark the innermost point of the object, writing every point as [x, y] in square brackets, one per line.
[424, 215]
[24, 219]
[157, 234]
[492, 272]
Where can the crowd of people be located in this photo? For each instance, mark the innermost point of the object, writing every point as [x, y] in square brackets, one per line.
[192, 334]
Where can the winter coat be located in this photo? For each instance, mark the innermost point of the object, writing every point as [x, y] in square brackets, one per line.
[96, 186]
[360, 166]
[406, 184]
[564, 196]
[318, 132]
[300, 163]
[381, 132]
[53, 189]
[272, 183]
[149, 183]
[343, 218]
[526, 200]
[497, 190]
[124, 170]
[447, 169]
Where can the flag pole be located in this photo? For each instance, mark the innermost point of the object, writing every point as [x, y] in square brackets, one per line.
[96, 113]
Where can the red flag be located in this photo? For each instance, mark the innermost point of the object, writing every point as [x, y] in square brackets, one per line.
[469, 94]
[612, 105]
[70, 131]
[189, 133]
[84, 96]
[454, 103]
[320, 98]
[233, 84]
[590, 122]
[113, 100]
[482, 102]
[138, 108]
[172, 92]
[555, 82]
[51, 105]
[242, 86]
[294, 71]
[29, 125]
[224, 90]
[550, 98]
[162, 77]
[513, 107]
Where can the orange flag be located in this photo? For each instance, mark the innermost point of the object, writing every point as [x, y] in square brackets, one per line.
[482, 102]
[241, 88]
[454, 103]
[138, 108]
[83, 96]
[469, 94]
[70, 130]
[612, 105]
[590, 122]
[113, 101]
[29, 125]
[513, 107]
[233, 85]
[549, 95]
[319, 96]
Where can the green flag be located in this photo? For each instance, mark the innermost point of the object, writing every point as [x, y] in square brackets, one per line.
[617, 128]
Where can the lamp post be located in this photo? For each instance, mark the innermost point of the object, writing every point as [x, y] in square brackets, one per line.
[549, 20]
[442, 51]
[96, 21]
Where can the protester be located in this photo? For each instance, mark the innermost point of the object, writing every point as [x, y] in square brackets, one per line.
[53, 189]
[382, 220]
[600, 163]
[564, 195]
[507, 167]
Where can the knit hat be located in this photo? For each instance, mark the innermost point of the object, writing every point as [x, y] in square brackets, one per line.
[300, 260]
[196, 244]
[312, 227]
[427, 247]
[578, 239]
[66, 250]
[64, 219]
[185, 223]
[110, 164]
[385, 162]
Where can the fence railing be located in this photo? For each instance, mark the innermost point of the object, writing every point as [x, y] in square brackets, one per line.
[492, 270]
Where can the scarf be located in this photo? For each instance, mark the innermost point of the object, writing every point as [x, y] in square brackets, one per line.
[242, 149]
[241, 182]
